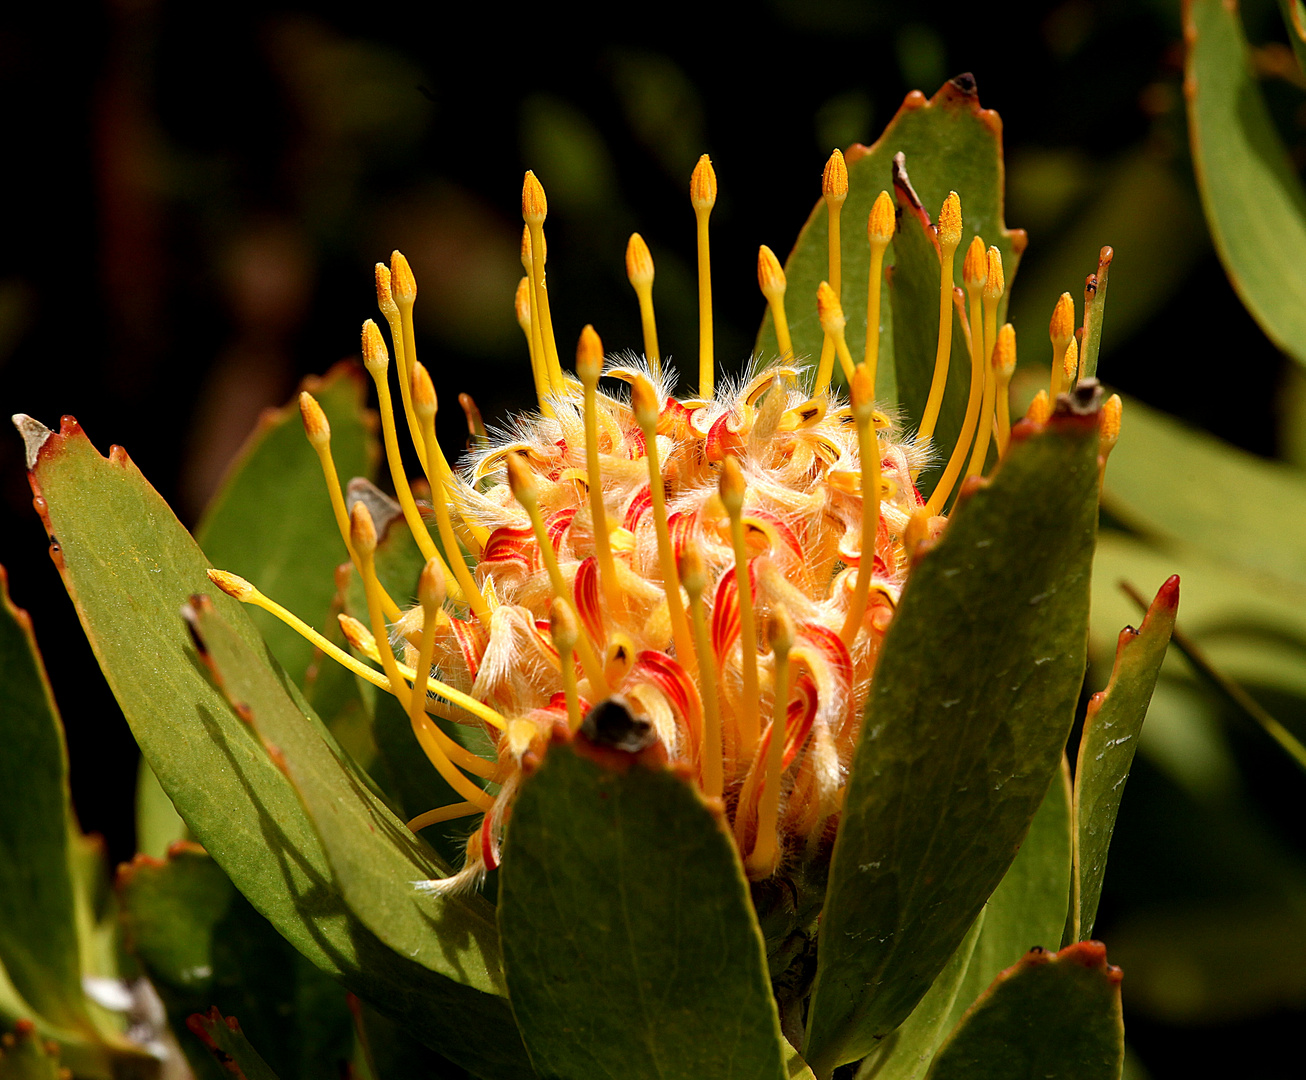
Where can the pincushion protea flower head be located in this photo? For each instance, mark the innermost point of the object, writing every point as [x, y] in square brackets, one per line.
[703, 579]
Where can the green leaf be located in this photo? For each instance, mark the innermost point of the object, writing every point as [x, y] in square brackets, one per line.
[630, 945]
[129, 566]
[974, 696]
[225, 1040]
[28, 1057]
[1254, 201]
[203, 945]
[38, 930]
[1294, 19]
[1048, 1016]
[158, 825]
[271, 521]
[1106, 748]
[951, 144]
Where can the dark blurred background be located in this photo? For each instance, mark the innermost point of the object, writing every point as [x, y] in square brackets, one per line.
[195, 195]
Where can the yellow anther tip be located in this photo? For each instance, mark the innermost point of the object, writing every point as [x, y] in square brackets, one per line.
[862, 392]
[1070, 362]
[995, 284]
[644, 403]
[828, 309]
[521, 481]
[770, 274]
[1004, 351]
[534, 206]
[232, 584]
[693, 575]
[834, 180]
[881, 223]
[522, 304]
[375, 356]
[731, 485]
[702, 185]
[589, 355]
[780, 631]
[1062, 327]
[316, 426]
[425, 403]
[950, 223]
[362, 530]
[639, 261]
[402, 283]
[1040, 408]
[975, 267]
[384, 297]
[431, 587]
[1112, 412]
[562, 625]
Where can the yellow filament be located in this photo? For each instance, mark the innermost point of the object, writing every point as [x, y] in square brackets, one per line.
[539, 357]
[750, 723]
[443, 813]
[602, 541]
[645, 295]
[944, 351]
[1002, 391]
[551, 365]
[762, 859]
[712, 769]
[868, 449]
[939, 497]
[405, 357]
[986, 418]
[776, 303]
[706, 370]
[835, 251]
[873, 310]
[841, 350]
[566, 655]
[424, 728]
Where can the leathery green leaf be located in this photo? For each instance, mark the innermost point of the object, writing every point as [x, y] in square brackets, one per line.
[630, 946]
[129, 567]
[27, 1057]
[203, 946]
[973, 699]
[38, 932]
[951, 144]
[226, 1041]
[1106, 749]
[1074, 993]
[1254, 200]
[271, 521]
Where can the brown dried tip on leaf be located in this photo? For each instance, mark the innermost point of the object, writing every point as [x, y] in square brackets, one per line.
[995, 284]
[639, 261]
[375, 356]
[316, 425]
[424, 399]
[589, 355]
[1004, 351]
[1062, 327]
[770, 274]
[362, 531]
[862, 392]
[431, 587]
[1070, 362]
[534, 206]
[384, 297]
[881, 222]
[1084, 400]
[702, 185]
[402, 282]
[562, 625]
[1112, 412]
[828, 309]
[731, 485]
[1039, 409]
[950, 223]
[644, 403]
[231, 584]
[834, 180]
[693, 575]
[522, 304]
[975, 266]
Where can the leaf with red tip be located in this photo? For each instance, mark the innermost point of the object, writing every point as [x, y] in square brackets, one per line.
[1049, 1015]
[1106, 749]
[228, 1045]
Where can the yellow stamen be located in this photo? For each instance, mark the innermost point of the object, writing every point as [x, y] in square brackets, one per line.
[589, 366]
[949, 234]
[771, 278]
[1004, 366]
[1040, 409]
[475, 425]
[425, 405]
[868, 449]
[377, 362]
[443, 813]
[834, 189]
[318, 430]
[994, 286]
[879, 231]
[732, 490]
[644, 404]
[360, 638]
[565, 633]
[531, 327]
[1108, 433]
[830, 314]
[765, 856]
[702, 194]
[431, 596]
[694, 578]
[534, 208]
[403, 288]
[1070, 364]
[1061, 329]
[522, 484]
[639, 269]
[974, 272]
